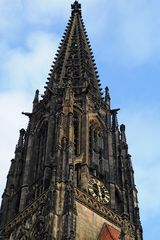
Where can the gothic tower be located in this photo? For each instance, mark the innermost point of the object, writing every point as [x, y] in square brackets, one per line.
[72, 175]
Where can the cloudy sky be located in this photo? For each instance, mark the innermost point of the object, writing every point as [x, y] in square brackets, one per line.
[125, 38]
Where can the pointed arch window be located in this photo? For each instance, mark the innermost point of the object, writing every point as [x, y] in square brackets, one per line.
[90, 140]
[76, 134]
[96, 148]
[40, 148]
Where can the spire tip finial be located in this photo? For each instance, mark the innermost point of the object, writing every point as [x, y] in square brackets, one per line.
[76, 7]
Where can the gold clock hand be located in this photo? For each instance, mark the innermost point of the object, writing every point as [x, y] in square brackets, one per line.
[99, 190]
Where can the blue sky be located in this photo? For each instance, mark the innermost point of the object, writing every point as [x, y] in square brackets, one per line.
[125, 38]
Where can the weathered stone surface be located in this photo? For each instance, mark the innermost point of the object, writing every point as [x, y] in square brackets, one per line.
[72, 136]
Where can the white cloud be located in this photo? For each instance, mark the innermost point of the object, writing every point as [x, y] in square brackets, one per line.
[127, 29]
[27, 67]
[43, 12]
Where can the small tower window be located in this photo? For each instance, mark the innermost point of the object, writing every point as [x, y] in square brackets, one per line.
[76, 134]
[40, 151]
[90, 140]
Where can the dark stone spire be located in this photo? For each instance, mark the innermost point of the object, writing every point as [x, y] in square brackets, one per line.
[21, 139]
[36, 99]
[74, 58]
[107, 97]
[114, 119]
[123, 134]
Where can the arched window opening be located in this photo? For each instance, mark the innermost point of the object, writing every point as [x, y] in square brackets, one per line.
[118, 199]
[11, 190]
[76, 135]
[100, 161]
[77, 174]
[96, 148]
[37, 170]
[90, 141]
[41, 150]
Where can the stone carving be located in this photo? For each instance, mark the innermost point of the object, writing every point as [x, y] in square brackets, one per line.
[34, 223]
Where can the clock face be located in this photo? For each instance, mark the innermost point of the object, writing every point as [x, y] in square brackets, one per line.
[98, 191]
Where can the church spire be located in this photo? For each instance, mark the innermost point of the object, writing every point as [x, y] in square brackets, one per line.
[74, 59]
